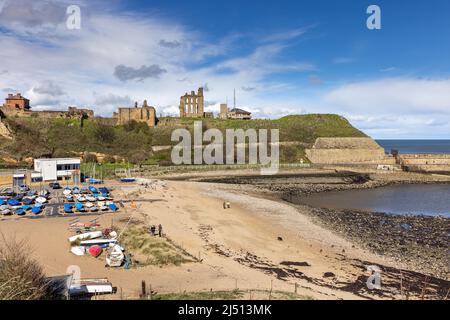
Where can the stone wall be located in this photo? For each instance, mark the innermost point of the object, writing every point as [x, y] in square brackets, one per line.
[72, 113]
[347, 151]
[145, 114]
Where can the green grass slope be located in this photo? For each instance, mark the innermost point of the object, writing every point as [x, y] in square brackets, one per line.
[35, 137]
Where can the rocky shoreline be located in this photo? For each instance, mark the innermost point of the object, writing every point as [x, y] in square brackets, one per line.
[420, 242]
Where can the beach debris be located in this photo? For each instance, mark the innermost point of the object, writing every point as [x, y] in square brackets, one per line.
[78, 250]
[329, 274]
[95, 250]
[295, 263]
[226, 205]
[279, 238]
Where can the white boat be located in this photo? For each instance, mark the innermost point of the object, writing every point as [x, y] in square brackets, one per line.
[81, 199]
[87, 235]
[90, 198]
[78, 250]
[98, 242]
[104, 208]
[66, 192]
[93, 209]
[6, 212]
[101, 198]
[41, 200]
[89, 205]
[90, 286]
[115, 256]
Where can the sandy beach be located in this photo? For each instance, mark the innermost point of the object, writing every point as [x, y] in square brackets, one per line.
[259, 243]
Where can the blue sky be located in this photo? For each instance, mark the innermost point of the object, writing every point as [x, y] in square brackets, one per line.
[282, 57]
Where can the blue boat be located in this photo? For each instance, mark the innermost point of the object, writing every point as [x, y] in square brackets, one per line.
[128, 180]
[32, 193]
[79, 206]
[36, 209]
[20, 212]
[2, 202]
[68, 208]
[27, 201]
[93, 189]
[13, 202]
[75, 190]
[26, 207]
[113, 207]
[94, 181]
[103, 190]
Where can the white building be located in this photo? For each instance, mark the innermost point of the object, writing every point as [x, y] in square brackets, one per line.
[57, 169]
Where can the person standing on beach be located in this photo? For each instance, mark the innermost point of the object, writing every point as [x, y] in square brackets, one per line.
[153, 230]
[160, 230]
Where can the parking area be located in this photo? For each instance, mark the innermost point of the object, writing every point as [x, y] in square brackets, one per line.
[57, 201]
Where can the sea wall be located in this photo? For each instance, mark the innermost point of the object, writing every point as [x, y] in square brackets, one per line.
[425, 162]
[347, 151]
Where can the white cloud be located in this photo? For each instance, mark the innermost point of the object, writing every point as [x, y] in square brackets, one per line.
[81, 64]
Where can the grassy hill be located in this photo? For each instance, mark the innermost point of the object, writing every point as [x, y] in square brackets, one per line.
[34, 137]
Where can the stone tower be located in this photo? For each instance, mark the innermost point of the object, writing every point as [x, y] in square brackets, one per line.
[192, 105]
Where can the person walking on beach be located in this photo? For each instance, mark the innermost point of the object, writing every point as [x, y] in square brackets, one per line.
[160, 230]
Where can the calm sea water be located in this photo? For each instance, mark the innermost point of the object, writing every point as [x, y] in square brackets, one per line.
[416, 199]
[416, 146]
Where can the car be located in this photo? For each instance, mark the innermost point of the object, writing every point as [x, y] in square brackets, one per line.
[54, 185]
[24, 188]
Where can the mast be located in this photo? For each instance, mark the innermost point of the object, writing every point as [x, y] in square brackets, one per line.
[234, 98]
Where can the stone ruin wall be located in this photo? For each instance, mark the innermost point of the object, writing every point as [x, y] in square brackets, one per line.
[72, 113]
[144, 114]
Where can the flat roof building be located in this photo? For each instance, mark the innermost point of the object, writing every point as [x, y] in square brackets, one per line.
[56, 169]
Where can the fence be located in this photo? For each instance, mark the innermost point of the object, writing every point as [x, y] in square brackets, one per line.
[156, 168]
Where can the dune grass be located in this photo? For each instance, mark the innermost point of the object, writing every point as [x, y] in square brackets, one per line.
[151, 250]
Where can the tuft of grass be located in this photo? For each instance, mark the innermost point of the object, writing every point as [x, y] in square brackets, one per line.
[21, 278]
[150, 250]
[201, 295]
[235, 294]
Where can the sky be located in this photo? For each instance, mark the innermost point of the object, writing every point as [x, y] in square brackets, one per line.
[282, 57]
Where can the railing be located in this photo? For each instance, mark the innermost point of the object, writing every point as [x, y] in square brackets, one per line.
[212, 167]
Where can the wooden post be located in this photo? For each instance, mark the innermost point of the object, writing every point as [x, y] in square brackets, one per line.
[295, 285]
[150, 292]
[143, 289]
[270, 292]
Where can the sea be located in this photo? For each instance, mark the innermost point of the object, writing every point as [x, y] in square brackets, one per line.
[416, 146]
